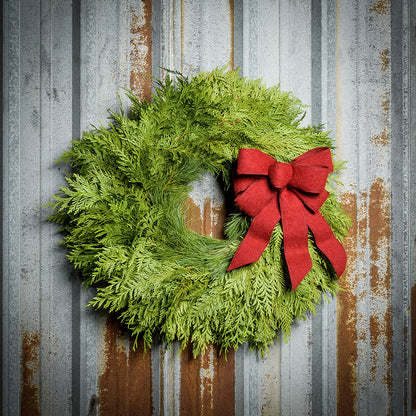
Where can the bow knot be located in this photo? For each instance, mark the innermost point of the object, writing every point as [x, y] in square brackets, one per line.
[272, 191]
[280, 174]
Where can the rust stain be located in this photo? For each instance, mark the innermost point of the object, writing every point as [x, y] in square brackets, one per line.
[29, 405]
[380, 278]
[413, 346]
[210, 222]
[385, 105]
[347, 334]
[141, 52]
[223, 385]
[381, 6]
[206, 378]
[207, 383]
[189, 390]
[125, 384]
[381, 139]
[384, 56]
[370, 234]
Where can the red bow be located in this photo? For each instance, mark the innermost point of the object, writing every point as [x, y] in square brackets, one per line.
[293, 192]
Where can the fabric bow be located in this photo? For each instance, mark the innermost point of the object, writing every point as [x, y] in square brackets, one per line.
[270, 191]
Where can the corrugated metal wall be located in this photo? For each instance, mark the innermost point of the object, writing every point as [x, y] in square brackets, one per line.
[353, 61]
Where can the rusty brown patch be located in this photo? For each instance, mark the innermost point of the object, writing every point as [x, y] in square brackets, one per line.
[206, 380]
[223, 384]
[190, 398]
[413, 346]
[381, 6]
[381, 139]
[385, 105]
[29, 405]
[141, 52]
[347, 334]
[385, 60]
[126, 382]
[207, 383]
[380, 272]
[193, 216]
[210, 222]
[371, 230]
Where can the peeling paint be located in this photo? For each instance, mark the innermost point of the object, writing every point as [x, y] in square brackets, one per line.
[29, 405]
[347, 333]
[206, 377]
[141, 51]
[125, 384]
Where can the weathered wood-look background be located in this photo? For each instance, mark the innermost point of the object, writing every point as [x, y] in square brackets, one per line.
[353, 61]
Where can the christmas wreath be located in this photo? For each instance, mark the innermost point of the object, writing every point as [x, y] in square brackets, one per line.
[122, 213]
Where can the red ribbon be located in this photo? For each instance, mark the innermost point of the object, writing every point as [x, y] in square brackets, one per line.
[270, 191]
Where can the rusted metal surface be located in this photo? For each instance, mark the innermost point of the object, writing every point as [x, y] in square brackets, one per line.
[30, 374]
[125, 383]
[347, 318]
[141, 50]
[353, 62]
[207, 382]
[366, 129]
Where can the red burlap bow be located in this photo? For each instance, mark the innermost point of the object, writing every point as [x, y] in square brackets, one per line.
[270, 191]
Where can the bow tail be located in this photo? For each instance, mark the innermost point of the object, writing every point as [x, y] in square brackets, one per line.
[295, 236]
[327, 242]
[257, 237]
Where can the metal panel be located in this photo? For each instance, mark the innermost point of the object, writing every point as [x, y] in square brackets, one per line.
[352, 61]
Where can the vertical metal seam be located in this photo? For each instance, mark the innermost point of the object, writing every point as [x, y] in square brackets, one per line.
[316, 66]
[411, 336]
[399, 249]
[316, 104]
[156, 348]
[76, 127]
[45, 80]
[156, 38]
[182, 29]
[2, 94]
[11, 266]
[238, 36]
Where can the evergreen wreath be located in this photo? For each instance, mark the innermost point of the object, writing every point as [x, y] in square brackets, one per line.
[122, 214]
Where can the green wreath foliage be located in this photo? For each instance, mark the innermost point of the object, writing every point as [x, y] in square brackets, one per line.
[122, 214]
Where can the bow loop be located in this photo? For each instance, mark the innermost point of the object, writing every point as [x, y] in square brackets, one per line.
[272, 191]
[280, 174]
